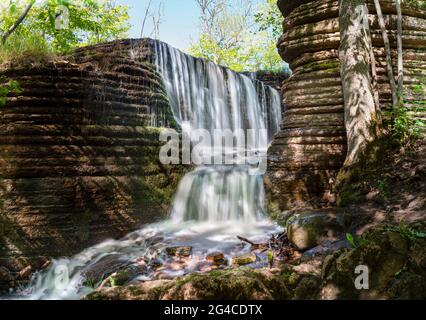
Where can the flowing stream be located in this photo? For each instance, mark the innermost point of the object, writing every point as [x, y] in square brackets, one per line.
[213, 203]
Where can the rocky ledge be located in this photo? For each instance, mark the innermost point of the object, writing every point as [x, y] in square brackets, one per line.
[396, 258]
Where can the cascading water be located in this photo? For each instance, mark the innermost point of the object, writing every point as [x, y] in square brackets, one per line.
[206, 96]
[212, 205]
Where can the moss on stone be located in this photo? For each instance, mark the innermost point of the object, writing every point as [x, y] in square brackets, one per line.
[392, 274]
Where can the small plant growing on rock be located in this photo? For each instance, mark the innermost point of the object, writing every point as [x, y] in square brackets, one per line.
[355, 242]
[271, 258]
[7, 87]
[408, 232]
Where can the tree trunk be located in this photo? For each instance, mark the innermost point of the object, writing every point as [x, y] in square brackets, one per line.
[388, 54]
[361, 122]
[400, 56]
[18, 22]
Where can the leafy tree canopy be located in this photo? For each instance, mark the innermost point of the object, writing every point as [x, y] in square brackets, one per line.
[59, 25]
[240, 34]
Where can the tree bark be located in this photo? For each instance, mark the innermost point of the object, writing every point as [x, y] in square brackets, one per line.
[388, 54]
[361, 122]
[400, 91]
[374, 81]
[18, 22]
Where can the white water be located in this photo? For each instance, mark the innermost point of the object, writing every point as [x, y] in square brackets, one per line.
[212, 205]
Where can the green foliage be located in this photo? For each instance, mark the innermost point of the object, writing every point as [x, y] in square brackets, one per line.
[383, 188]
[269, 18]
[350, 239]
[355, 242]
[421, 4]
[241, 39]
[405, 127]
[271, 258]
[57, 26]
[347, 196]
[408, 232]
[7, 87]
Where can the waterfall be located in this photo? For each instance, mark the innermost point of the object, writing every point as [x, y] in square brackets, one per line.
[213, 203]
[207, 96]
[211, 97]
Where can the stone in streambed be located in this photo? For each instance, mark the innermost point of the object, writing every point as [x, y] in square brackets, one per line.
[216, 258]
[179, 251]
[103, 268]
[122, 277]
[244, 259]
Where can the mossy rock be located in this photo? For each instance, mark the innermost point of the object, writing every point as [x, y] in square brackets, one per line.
[231, 284]
[310, 229]
[121, 277]
[244, 259]
[394, 262]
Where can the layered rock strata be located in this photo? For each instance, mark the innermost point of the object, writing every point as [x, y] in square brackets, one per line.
[79, 152]
[308, 152]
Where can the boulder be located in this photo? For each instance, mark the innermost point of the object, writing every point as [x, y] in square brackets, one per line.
[392, 273]
[310, 229]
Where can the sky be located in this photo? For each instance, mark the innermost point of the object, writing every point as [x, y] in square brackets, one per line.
[179, 23]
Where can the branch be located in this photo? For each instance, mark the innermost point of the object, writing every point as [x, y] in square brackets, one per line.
[400, 52]
[245, 240]
[388, 54]
[18, 22]
[147, 11]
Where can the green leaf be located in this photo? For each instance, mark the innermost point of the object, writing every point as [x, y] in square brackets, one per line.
[351, 240]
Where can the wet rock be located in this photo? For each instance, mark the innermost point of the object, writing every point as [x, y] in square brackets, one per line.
[46, 265]
[216, 258]
[155, 264]
[182, 252]
[122, 277]
[26, 272]
[244, 259]
[310, 229]
[324, 249]
[103, 268]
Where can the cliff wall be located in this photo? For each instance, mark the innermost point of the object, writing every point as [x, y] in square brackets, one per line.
[79, 152]
[310, 149]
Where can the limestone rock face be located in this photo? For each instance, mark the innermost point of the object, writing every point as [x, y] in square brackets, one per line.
[310, 149]
[79, 152]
